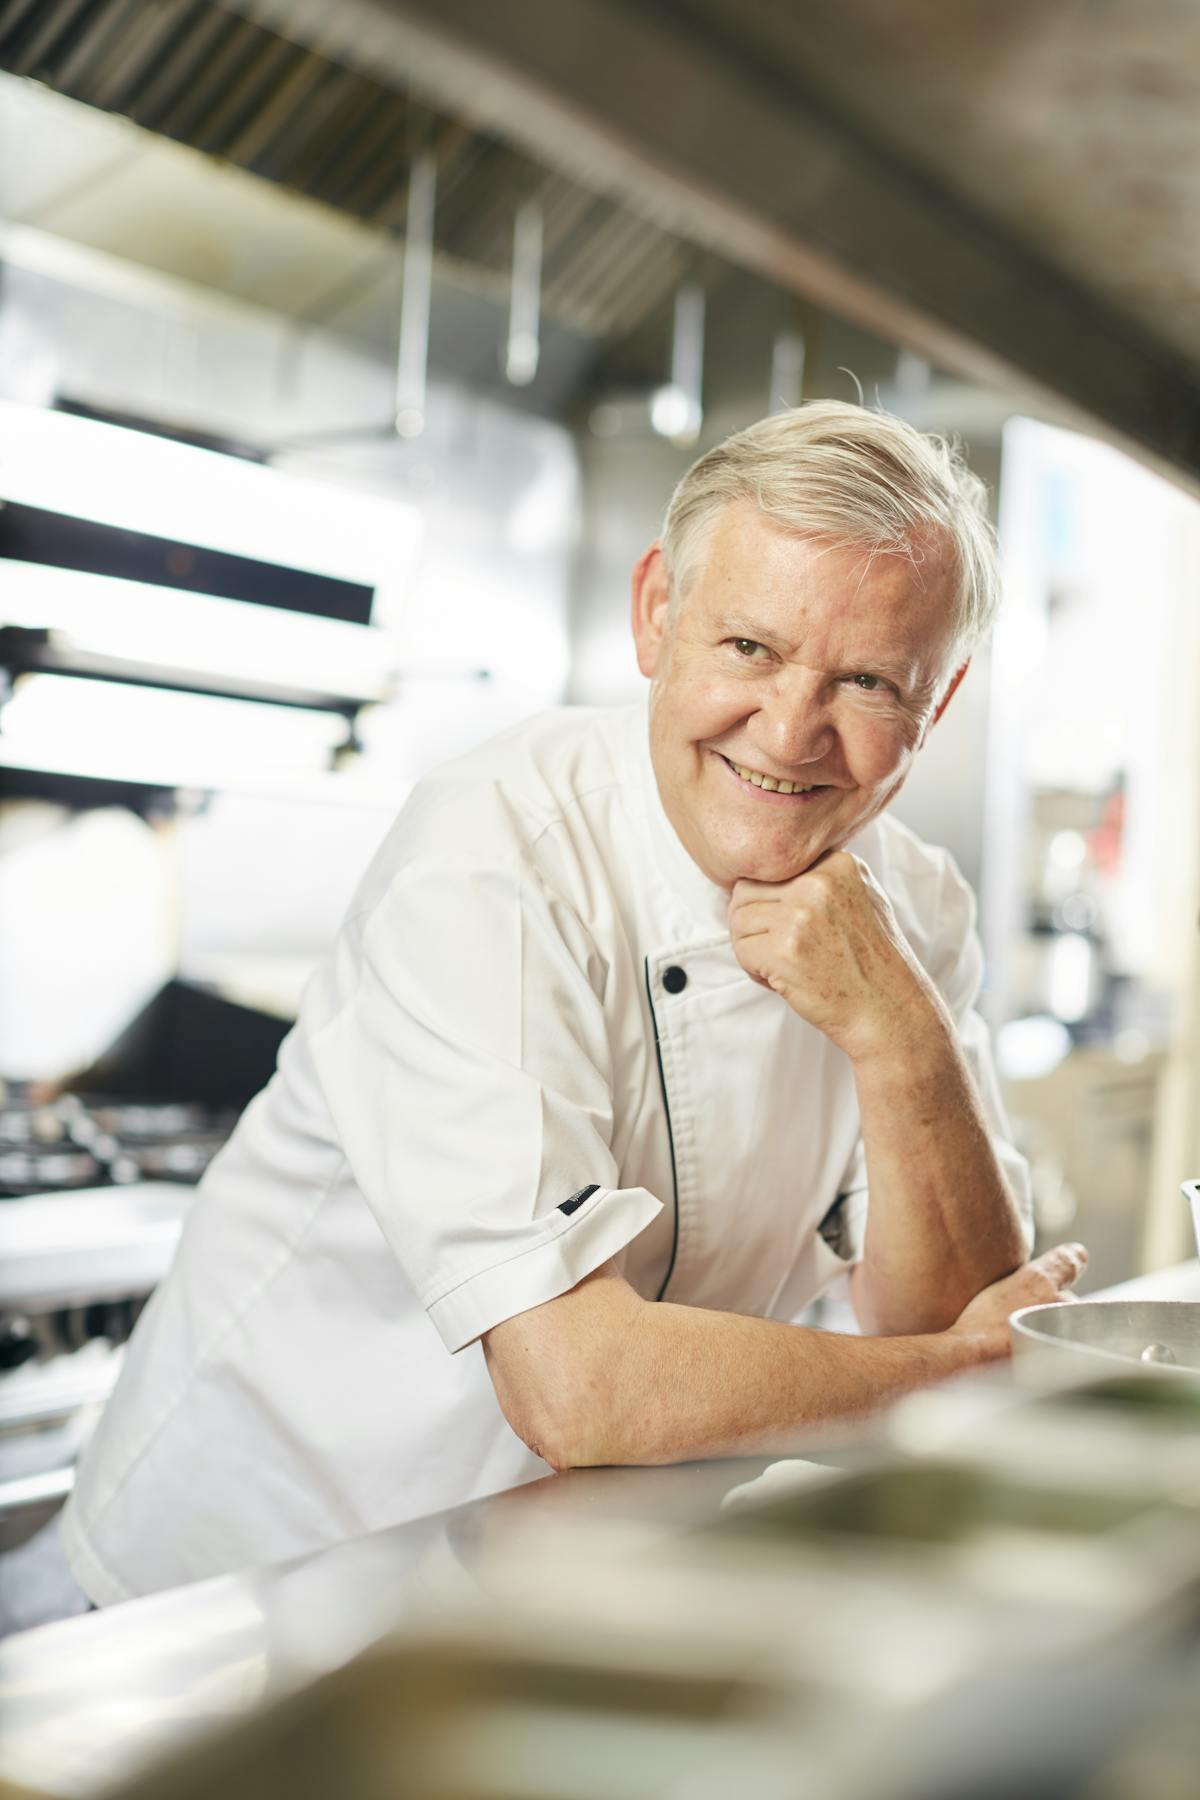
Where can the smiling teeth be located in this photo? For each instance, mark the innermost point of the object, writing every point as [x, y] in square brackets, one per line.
[769, 782]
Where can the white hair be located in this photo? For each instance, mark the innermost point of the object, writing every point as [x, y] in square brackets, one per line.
[854, 478]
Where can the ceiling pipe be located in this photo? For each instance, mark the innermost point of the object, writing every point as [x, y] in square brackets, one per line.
[787, 371]
[677, 410]
[412, 362]
[523, 348]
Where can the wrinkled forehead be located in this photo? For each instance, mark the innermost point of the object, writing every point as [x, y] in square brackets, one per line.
[740, 525]
[745, 547]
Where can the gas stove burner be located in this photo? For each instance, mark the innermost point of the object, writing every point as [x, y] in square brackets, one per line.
[184, 1160]
[154, 1123]
[78, 1141]
[31, 1125]
[41, 1171]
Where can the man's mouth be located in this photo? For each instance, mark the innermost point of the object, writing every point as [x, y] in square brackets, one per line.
[769, 783]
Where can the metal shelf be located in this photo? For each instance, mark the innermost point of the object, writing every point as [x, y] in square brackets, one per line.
[25, 651]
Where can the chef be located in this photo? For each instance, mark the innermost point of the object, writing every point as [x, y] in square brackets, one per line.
[644, 1028]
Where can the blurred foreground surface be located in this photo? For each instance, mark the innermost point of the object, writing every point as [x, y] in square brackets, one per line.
[996, 1590]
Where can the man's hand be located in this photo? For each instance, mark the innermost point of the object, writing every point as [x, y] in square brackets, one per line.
[828, 942]
[942, 1224]
[1038, 1283]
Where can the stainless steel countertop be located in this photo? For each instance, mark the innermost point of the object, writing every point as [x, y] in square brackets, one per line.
[91, 1699]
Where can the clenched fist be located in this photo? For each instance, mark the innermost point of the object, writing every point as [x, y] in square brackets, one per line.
[828, 942]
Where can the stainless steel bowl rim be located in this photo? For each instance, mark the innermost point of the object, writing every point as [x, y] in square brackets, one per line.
[1155, 1329]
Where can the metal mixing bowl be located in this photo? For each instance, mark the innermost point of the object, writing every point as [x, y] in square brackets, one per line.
[1160, 1334]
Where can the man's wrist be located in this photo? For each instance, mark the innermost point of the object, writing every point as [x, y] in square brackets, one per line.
[970, 1347]
[915, 1038]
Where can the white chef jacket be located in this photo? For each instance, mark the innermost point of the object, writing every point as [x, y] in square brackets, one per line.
[531, 1049]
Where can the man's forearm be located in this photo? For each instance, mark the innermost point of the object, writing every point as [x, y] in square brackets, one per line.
[942, 1224]
[601, 1376]
[722, 1385]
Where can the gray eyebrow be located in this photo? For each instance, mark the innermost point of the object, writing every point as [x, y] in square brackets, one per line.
[745, 628]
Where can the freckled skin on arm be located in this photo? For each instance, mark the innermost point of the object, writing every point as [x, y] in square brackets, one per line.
[602, 1376]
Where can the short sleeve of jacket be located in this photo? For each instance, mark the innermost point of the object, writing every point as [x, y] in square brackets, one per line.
[949, 948]
[467, 1072]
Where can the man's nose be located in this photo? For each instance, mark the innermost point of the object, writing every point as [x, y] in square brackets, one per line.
[795, 726]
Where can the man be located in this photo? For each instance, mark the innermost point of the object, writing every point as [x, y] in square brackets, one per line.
[627, 1021]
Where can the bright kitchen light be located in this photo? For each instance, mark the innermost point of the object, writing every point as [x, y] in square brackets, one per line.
[673, 415]
[521, 358]
[1068, 850]
[139, 482]
[1071, 963]
[122, 733]
[1031, 1048]
[229, 640]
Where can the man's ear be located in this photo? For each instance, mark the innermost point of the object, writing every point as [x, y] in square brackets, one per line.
[946, 698]
[651, 602]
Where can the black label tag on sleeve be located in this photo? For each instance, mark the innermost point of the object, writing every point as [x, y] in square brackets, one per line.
[577, 1200]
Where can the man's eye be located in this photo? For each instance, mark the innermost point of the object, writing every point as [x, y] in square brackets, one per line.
[749, 649]
[868, 683]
